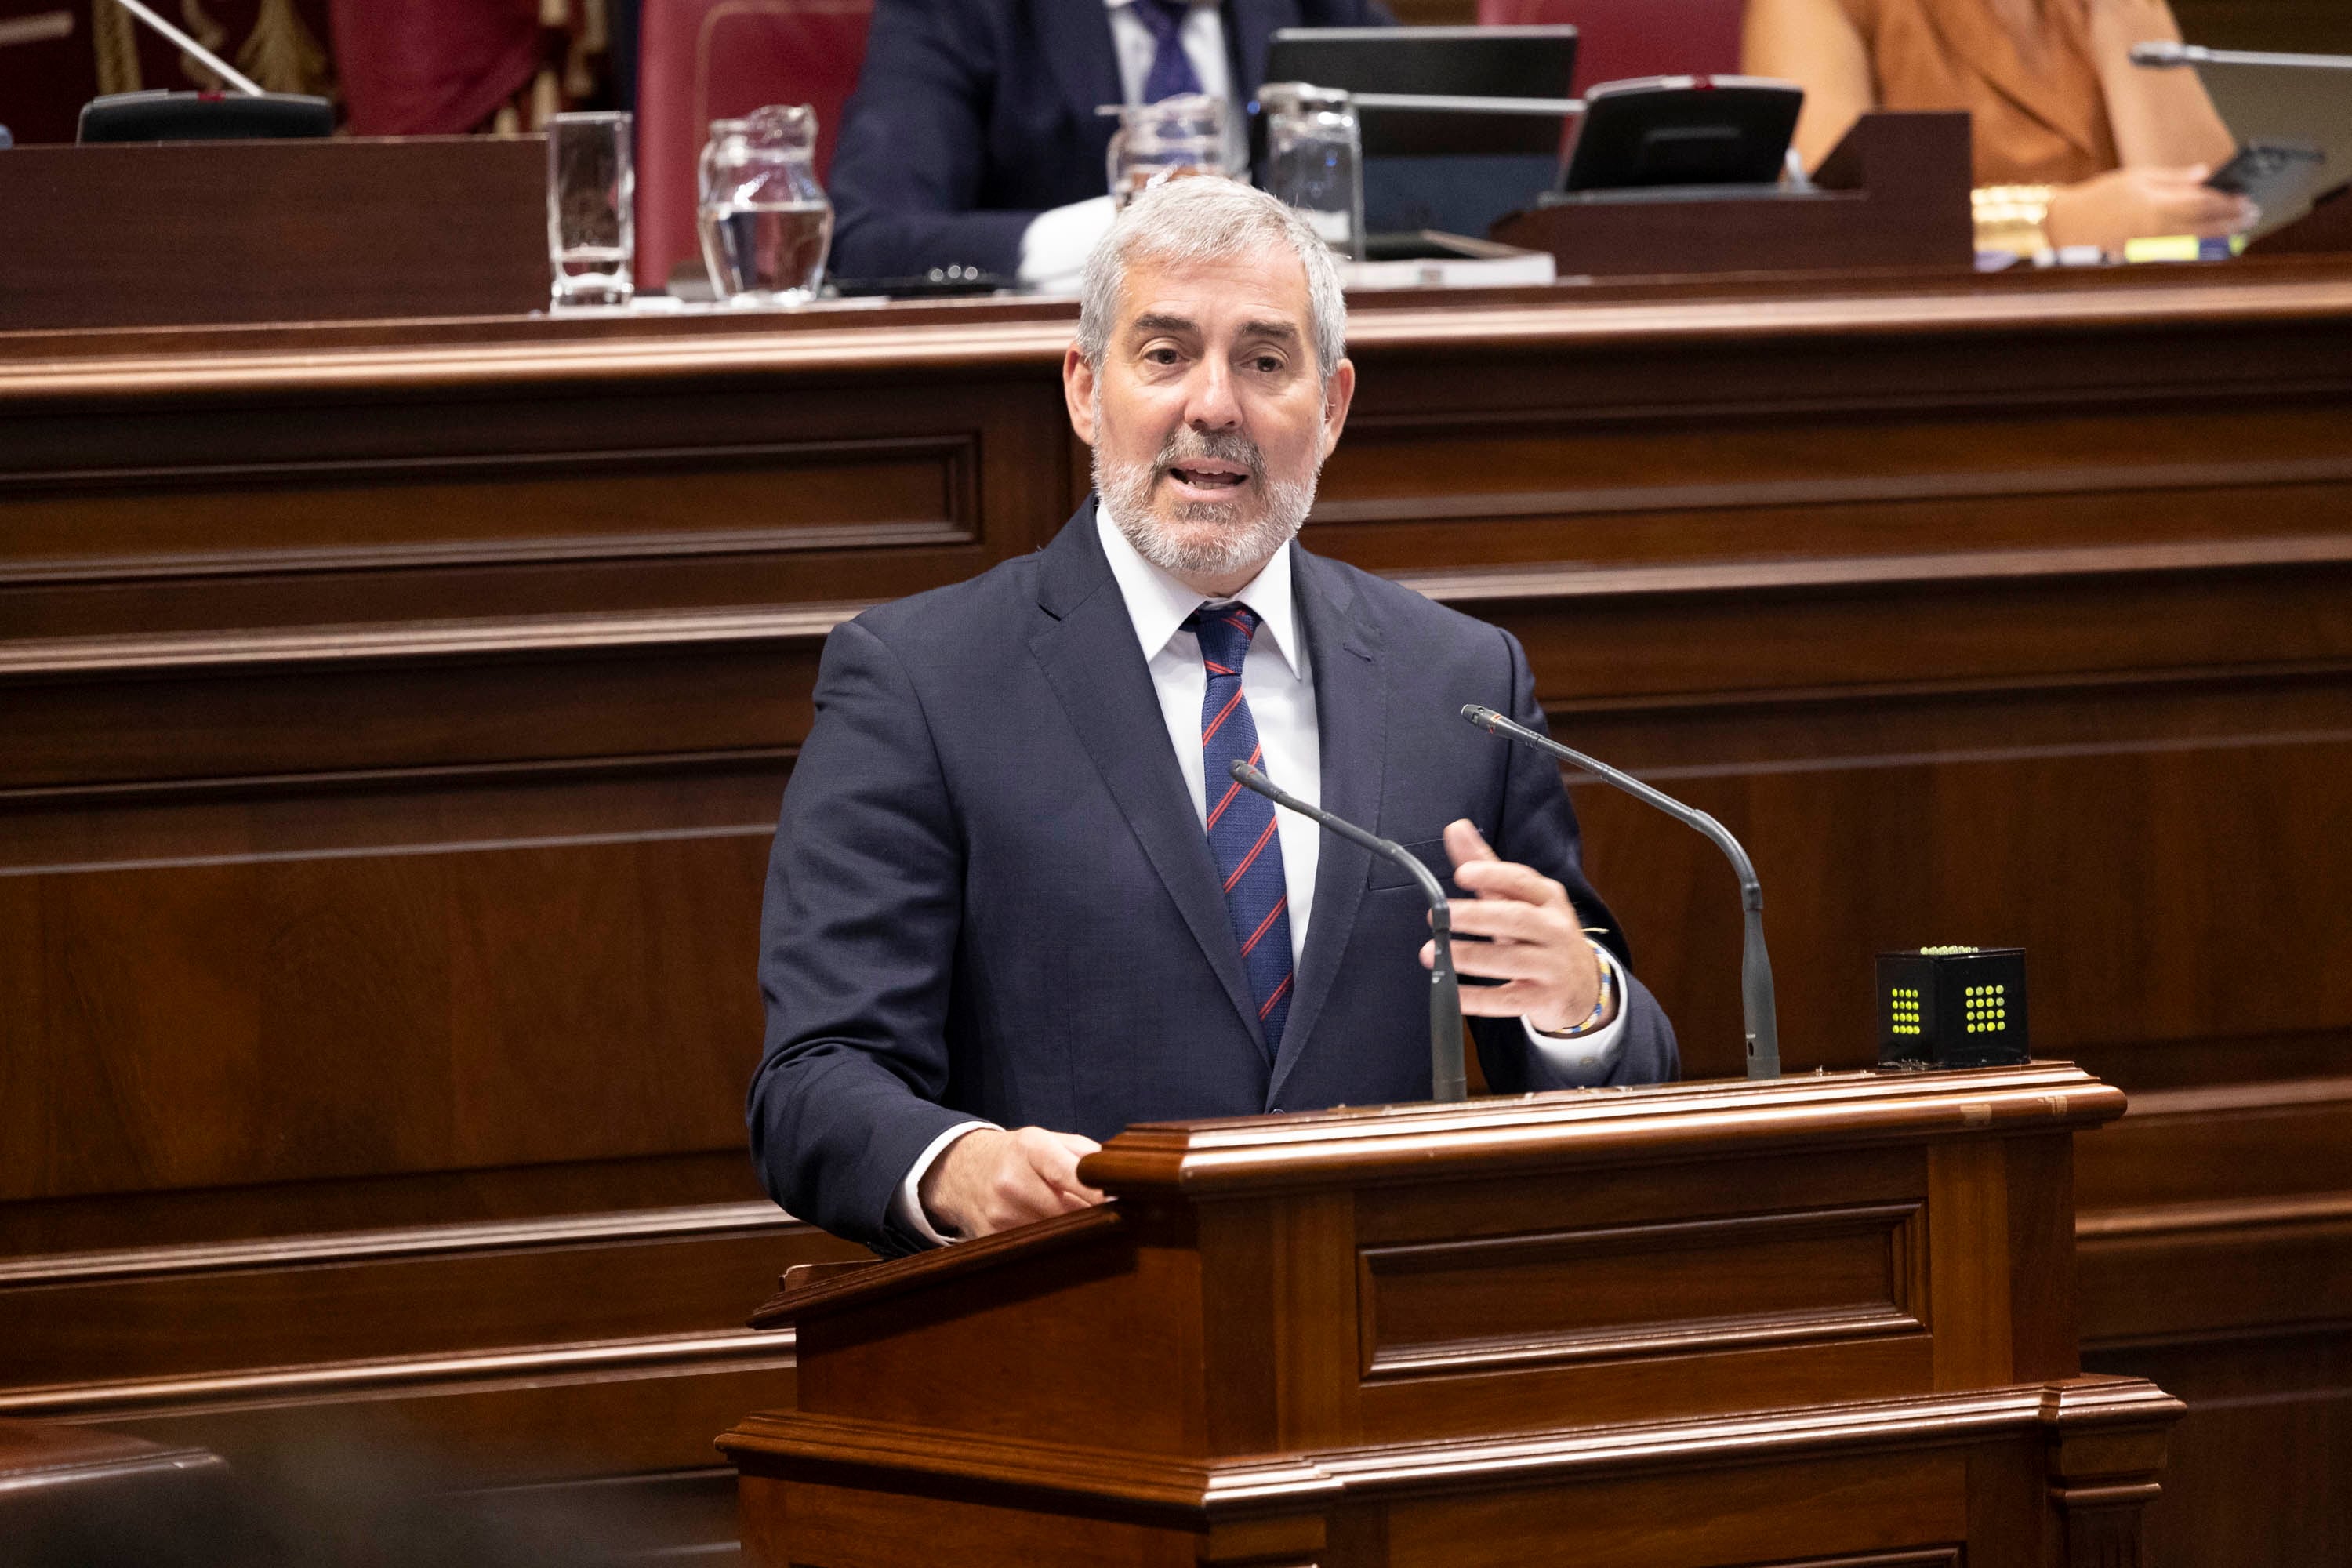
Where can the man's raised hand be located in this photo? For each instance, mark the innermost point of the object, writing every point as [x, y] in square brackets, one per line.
[1537, 947]
[990, 1180]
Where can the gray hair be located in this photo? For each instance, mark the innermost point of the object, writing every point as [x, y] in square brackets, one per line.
[1200, 219]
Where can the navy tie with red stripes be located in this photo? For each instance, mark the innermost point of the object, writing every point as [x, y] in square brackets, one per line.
[1241, 822]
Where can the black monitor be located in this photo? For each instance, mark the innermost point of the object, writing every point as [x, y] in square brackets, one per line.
[1428, 62]
[1480, 138]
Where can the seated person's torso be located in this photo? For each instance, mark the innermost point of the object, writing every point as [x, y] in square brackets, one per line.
[2040, 112]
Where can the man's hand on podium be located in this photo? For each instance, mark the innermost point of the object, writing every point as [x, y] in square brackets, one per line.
[990, 1180]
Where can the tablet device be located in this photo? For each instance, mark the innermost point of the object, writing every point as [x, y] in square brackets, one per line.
[2276, 176]
[1664, 131]
[2308, 108]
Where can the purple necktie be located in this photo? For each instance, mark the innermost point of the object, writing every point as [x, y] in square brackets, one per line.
[1171, 73]
[1241, 822]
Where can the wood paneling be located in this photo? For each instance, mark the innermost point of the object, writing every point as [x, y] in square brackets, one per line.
[1565, 1295]
[2304, 24]
[396, 715]
[2217, 1255]
[1680, 1521]
[2257, 1472]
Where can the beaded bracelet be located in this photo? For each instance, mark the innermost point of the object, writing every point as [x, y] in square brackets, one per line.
[1602, 1005]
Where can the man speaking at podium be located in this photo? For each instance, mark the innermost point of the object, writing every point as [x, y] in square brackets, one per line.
[1016, 903]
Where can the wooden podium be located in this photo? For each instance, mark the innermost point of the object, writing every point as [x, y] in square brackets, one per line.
[1824, 1321]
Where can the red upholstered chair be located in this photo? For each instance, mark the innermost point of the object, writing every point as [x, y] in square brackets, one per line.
[1621, 39]
[700, 61]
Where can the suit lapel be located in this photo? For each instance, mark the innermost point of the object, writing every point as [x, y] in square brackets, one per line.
[1351, 705]
[2057, 100]
[1249, 36]
[1086, 646]
[1077, 38]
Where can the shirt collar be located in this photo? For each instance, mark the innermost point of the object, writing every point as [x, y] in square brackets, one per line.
[1158, 604]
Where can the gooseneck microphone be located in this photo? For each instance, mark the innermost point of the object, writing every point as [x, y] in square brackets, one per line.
[161, 116]
[1755, 963]
[227, 72]
[1445, 1074]
[2163, 55]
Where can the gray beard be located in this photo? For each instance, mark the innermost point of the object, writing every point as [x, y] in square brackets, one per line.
[1239, 544]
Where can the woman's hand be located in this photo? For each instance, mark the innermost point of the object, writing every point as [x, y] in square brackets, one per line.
[2139, 204]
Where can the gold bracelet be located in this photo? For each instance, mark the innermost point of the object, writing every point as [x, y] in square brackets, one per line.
[2012, 217]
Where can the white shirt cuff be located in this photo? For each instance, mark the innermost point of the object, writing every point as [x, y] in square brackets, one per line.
[1588, 1061]
[1054, 246]
[906, 1205]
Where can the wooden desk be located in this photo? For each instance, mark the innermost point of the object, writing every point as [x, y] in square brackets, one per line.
[72, 1495]
[396, 716]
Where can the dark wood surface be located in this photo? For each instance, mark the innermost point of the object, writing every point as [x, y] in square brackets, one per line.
[396, 716]
[1196, 1373]
[122, 235]
[1894, 194]
[2325, 230]
[72, 1495]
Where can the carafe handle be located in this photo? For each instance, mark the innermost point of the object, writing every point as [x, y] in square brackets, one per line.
[1112, 159]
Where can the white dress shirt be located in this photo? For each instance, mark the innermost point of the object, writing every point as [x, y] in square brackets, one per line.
[1280, 687]
[1053, 247]
[1202, 36]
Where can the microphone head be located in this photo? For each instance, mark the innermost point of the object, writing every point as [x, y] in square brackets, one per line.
[2158, 53]
[1483, 717]
[1248, 776]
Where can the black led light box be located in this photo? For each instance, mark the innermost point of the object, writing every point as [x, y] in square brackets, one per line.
[1952, 1008]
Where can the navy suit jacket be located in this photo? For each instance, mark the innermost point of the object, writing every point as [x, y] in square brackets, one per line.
[971, 116]
[991, 895]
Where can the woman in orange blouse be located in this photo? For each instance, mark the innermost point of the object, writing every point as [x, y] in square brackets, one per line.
[2074, 144]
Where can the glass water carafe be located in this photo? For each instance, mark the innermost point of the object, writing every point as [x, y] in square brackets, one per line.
[766, 223]
[1163, 141]
[1315, 160]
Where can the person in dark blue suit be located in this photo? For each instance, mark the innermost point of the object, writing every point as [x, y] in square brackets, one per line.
[974, 119]
[1015, 903]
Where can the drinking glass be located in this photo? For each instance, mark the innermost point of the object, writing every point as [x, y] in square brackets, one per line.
[1315, 160]
[766, 223]
[1157, 142]
[591, 197]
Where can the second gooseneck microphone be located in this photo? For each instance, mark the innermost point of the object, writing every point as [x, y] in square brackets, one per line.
[1755, 963]
[1446, 1081]
[2162, 54]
